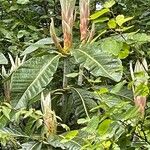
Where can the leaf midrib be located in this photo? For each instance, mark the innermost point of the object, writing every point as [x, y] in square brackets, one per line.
[96, 63]
[38, 76]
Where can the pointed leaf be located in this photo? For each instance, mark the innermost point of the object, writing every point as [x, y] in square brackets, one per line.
[54, 36]
[32, 77]
[37, 45]
[3, 59]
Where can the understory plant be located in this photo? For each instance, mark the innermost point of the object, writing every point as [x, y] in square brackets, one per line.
[78, 91]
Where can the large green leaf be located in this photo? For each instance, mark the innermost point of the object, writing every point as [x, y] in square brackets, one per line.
[99, 63]
[32, 77]
[3, 59]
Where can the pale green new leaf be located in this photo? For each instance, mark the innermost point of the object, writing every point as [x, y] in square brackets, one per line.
[112, 24]
[3, 59]
[120, 19]
[104, 126]
[70, 135]
[32, 77]
[99, 13]
[99, 63]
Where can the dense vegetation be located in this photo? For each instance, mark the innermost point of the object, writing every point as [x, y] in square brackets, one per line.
[74, 74]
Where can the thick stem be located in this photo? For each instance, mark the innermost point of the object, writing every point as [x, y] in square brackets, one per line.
[7, 91]
[64, 96]
[65, 72]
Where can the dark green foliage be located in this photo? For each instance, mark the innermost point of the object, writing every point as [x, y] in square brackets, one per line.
[91, 90]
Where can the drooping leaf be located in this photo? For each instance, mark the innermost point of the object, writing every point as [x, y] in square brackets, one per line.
[38, 44]
[32, 77]
[99, 63]
[3, 59]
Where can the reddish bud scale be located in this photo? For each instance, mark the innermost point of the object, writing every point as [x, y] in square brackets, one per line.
[84, 19]
[140, 102]
[67, 10]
